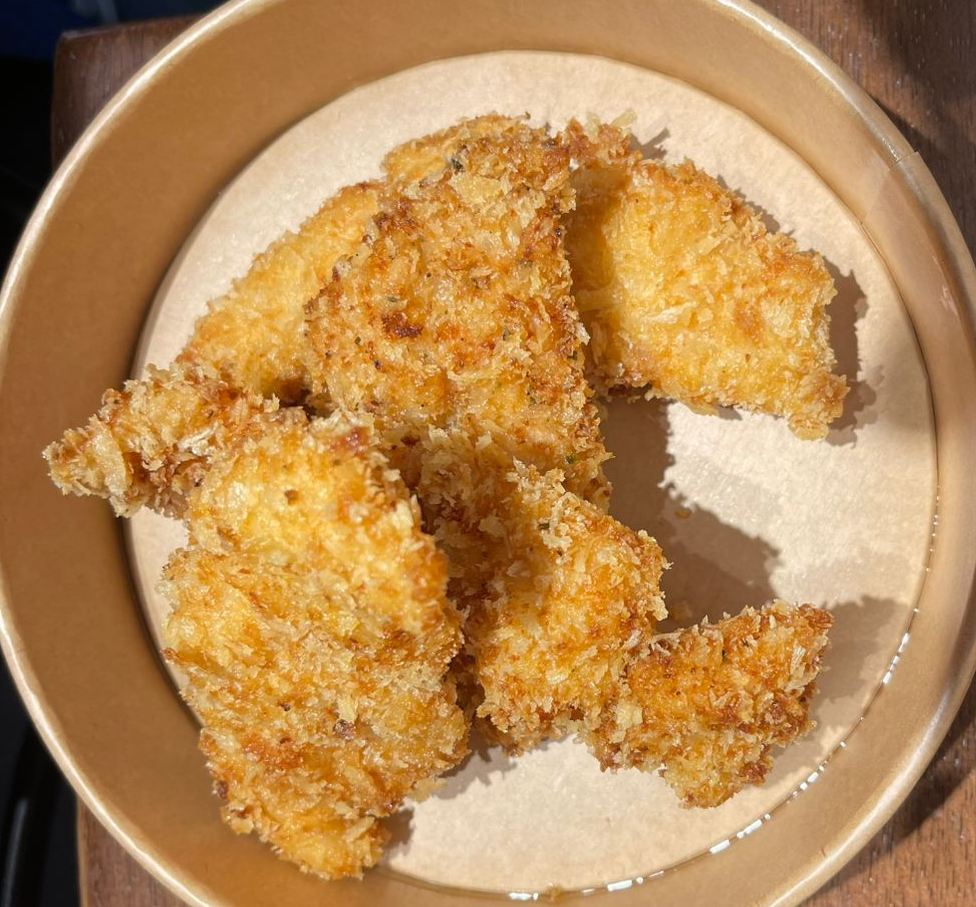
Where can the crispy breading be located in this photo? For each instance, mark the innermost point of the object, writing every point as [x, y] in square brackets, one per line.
[151, 442]
[432, 309]
[253, 336]
[561, 603]
[687, 295]
[309, 608]
[430, 154]
[311, 620]
[558, 596]
[706, 705]
[457, 306]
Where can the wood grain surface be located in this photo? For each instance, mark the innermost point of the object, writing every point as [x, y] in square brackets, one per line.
[917, 58]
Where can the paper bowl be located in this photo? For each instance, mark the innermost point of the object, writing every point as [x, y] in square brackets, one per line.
[96, 251]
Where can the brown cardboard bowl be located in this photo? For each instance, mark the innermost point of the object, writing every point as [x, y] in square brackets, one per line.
[98, 246]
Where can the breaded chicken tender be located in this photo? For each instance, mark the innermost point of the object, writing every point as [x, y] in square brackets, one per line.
[457, 306]
[253, 336]
[558, 596]
[686, 295]
[561, 605]
[151, 442]
[309, 608]
[309, 615]
[706, 705]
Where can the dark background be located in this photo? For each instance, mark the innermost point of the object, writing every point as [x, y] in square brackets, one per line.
[36, 805]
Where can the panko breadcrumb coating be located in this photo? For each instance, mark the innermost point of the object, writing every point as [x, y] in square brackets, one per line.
[309, 615]
[253, 336]
[558, 595]
[151, 442]
[457, 307]
[686, 294]
[430, 154]
[561, 602]
[705, 705]
[319, 626]
[309, 609]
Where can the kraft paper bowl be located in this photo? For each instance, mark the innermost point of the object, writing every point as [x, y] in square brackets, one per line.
[101, 240]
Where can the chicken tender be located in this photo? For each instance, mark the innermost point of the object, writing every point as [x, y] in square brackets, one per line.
[706, 705]
[686, 295]
[309, 608]
[253, 336]
[151, 442]
[309, 615]
[561, 605]
[457, 307]
[558, 596]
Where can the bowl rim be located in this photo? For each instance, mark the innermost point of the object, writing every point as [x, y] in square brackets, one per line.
[924, 193]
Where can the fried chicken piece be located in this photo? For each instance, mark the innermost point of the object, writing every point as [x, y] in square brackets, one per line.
[151, 443]
[309, 608]
[686, 294]
[558, 596]
[311, 621]
[457, 306]
[253, 336]
[561, 603]
[705, 705]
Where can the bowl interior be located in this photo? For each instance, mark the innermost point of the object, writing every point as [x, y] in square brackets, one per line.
[740, 506]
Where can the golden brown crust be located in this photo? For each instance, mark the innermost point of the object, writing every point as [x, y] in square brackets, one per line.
[433, 310]
[151, 442]
[253, 336]
[311, 620]
[706, 705]
[557, 595]
[687, 295]
[457, 306]
[421, 158]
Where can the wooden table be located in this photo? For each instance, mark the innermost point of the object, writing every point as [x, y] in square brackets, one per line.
[917, 58]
